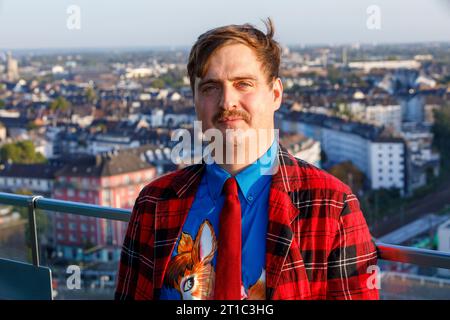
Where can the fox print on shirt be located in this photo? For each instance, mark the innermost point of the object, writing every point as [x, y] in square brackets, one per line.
[191, 271]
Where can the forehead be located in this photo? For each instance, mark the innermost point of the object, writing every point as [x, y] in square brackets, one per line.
[233, 60]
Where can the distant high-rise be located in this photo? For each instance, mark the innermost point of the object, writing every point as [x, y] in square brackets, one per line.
[344, 56]
[12, 68]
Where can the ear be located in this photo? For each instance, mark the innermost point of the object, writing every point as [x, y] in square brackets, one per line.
[207, 243]
[277, 90]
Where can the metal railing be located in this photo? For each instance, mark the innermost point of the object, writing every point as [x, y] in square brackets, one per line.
[423, 257]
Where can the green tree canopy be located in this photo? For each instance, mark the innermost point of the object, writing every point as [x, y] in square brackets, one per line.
[42, 221]
[158, 83]
[60, 104]
[349, 174]
[21, 152]
[441, 131]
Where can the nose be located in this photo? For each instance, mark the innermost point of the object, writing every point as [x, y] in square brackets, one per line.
[229, 98]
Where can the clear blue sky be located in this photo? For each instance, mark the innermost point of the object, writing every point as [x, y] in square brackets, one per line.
[146, 23]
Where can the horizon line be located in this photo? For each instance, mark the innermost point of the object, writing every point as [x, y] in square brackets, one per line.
[187, 47]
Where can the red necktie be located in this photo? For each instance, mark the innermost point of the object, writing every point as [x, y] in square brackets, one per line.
[228, 263]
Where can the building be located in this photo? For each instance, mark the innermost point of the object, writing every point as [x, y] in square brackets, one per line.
[67, 142]
[157, 156]
[12, 68]
[387, 163]
[386, 64]
[381, 159]
[389, 116]
[412, 108]
[423, 162]
[2, 133]
[44, 146]
[302, 147]
[111, 179]
[35, 178]
[15, 126]
[138, 73]
[110, 141]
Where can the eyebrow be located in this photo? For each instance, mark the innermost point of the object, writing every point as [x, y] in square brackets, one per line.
[243, 77]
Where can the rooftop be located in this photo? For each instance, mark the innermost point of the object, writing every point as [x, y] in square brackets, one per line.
[106, 164]
[36, 171]
[366, 131]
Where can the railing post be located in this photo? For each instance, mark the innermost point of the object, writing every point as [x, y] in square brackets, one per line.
[33, 229]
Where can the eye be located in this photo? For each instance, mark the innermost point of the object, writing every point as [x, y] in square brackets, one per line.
[208, 88]
[244, 84]
[189, 284]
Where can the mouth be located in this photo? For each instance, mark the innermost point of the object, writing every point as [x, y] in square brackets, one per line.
[229, 119]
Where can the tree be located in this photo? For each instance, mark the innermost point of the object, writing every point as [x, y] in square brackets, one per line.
[42, 221]
[91, 96]
[349, 174]
[32, 125]
[158, 83]
[173, 79]
[344, 111]
[2, 104]
[441, 131]
[21, 152]
[378, 204]
[59, 104]
[334, 75]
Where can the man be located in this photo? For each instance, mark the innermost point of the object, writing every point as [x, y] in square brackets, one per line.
[268, 227]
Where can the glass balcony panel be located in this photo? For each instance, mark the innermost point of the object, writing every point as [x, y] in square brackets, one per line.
[14, 244]
[83, 250]
[83, 254]
[404, 281]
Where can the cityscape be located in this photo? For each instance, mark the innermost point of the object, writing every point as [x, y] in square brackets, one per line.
[96, 125]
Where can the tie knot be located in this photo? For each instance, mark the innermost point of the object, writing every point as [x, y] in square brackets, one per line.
[230, 187]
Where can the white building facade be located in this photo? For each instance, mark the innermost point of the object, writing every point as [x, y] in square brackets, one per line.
[388, 116]
[381, 160]
[387, 164]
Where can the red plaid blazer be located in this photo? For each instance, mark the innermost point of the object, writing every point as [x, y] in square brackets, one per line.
[318, 242]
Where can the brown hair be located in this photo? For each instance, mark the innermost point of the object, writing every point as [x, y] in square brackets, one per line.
[267, 50]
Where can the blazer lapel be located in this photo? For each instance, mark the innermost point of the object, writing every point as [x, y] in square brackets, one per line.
[170, 215]
[282, 248]
[279, 237]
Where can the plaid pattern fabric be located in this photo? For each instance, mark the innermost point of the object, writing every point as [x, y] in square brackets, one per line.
[318, 245]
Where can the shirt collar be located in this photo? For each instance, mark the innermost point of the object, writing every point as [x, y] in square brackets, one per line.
[259, 171]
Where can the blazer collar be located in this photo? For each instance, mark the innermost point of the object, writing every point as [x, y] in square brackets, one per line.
[186, 183]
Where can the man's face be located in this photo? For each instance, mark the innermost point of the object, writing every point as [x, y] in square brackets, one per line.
[234, 92]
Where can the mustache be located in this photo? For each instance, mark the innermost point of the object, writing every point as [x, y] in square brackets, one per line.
[232, 113]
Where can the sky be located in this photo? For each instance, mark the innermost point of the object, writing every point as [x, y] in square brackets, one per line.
[173, 23]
